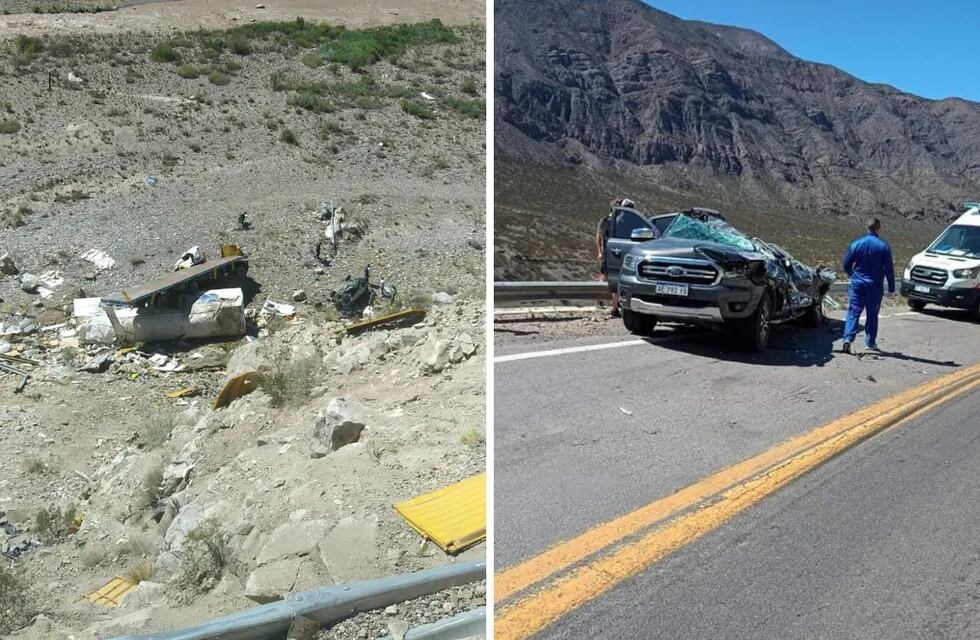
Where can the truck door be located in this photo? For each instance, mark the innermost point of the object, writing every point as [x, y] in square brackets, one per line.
[621, 227]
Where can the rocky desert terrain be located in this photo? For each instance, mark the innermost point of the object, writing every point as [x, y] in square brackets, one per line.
[142, 144]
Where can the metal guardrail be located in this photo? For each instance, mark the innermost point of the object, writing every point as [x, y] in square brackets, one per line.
[326, 606]
[573, 290]
[469, 624]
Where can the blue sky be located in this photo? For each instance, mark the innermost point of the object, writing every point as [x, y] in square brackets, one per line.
[931, 49]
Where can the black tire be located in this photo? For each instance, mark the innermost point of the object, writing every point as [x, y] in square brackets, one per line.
[638, 323]
[814, 316]
[755, 330]
[916, 305]
[974, 311]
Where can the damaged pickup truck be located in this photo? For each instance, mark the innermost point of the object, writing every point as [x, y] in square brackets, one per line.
[703, 271]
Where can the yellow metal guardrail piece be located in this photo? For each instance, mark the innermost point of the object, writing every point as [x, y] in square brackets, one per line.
[112, 593]
[454, 517]
[391, 317]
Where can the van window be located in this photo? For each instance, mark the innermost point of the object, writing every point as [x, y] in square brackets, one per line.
[958, 240]
[625, 221]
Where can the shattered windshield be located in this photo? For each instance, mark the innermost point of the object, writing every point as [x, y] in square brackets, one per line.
[712, 230]
[959, 240]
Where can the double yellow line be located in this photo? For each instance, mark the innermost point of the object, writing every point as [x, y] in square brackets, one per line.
[538, 591]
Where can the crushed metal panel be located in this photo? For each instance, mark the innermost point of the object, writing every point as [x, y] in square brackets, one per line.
[112, 593]
[454, 517]
[237, 387]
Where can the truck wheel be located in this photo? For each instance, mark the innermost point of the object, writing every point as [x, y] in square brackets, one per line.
[917, 305]
[754, 331]
[975, 311]
[813, 316]
[638, 323]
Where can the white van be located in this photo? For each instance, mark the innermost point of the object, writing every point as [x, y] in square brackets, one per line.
[948, 272]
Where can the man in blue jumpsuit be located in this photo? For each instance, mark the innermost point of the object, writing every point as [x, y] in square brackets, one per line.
[868, 262]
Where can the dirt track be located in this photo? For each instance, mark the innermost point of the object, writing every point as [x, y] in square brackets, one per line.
[182, 15]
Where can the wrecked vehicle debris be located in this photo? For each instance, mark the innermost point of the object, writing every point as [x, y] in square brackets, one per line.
[356, 294]
[213, 313]
[192, 257]
[702, 270]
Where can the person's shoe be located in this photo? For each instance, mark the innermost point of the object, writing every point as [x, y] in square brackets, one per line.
[846, 347]
[872, 347]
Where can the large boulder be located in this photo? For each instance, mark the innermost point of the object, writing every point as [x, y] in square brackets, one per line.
[340, 423]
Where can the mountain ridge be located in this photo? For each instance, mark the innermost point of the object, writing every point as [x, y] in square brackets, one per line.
[616, 85]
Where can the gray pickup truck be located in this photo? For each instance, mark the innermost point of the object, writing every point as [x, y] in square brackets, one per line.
[700, 270]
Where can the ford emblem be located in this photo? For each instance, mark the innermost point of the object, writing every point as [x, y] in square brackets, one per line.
[674, 271]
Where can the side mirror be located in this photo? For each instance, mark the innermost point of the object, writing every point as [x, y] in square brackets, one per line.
[642, 234]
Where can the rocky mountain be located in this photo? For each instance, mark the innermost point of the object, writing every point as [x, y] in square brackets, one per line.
[705, 108]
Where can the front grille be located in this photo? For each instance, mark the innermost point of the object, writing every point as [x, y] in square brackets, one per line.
[682, 272]
[930, 276]
[674, 301]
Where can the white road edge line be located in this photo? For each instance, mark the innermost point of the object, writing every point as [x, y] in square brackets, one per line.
[558, 352]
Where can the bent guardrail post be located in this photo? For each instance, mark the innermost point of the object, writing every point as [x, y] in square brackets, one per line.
[326, 605]
[469, 624]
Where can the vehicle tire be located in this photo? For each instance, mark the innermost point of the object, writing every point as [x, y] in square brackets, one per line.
[638, 323]
[754, 331]
[916, 305]
[814, 316]
[975, 311]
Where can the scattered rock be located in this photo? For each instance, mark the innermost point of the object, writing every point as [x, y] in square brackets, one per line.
[338, 425]
[7, 265]
[397, 628]
[270, 582]
[299, 295]
[441, 297]
[303, 628]
[29, 283]
[292, 540]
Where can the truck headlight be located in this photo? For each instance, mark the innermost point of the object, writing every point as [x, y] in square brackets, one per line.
[908, 273]
[629, 263]
[966, 273]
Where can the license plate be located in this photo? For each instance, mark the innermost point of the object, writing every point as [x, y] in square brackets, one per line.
[921, 289]
[670, 289]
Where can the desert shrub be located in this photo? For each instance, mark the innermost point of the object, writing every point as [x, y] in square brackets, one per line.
[310, 102]
[471, 438]
[469, 108]
[17, 608]
[287, 382]
[470, 87]
[289, 137]
[54, 525]
[9, 126]
[312, 60]
[188, 71]
[204, 558]
[417, 109]
[219, 78]
[164, 52]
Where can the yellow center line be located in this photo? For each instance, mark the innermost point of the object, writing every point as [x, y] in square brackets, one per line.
[527, 616]
[565, 554]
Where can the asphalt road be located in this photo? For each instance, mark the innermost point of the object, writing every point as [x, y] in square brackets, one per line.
[881, 542]
[584, 436]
